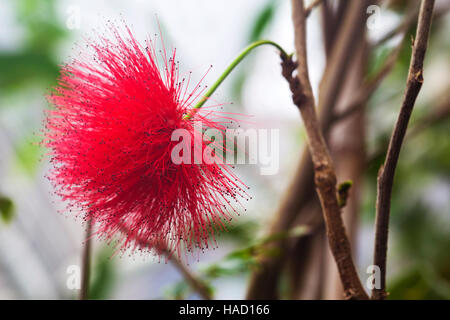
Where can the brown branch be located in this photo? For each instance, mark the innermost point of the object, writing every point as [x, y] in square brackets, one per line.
[346, 145]
[329, 26]
[264, 281]
[310, 8]
[344, 48]
[86, 263]
[324, 175]
[387, 171]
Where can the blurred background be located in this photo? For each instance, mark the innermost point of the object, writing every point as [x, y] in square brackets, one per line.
[39, 241]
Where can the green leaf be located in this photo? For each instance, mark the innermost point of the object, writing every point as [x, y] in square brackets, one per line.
[242, 260]
[237, 262]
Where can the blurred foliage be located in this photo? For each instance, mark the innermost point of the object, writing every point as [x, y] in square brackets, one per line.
[32, 64]
[259, 25]
[420, 236]
[28, 153]
[242, 232]
[417, 284]
[419, 258]
[237, 262]
[20, 68]
[103, 275]
[419, 251]
[6, 209]
[399, 5]
[40, 19]
[377, 58]
[34, 61]
[179, 291]
[425, 245]
[262, 21]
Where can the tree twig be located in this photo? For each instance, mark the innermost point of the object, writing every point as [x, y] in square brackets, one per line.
[263, 282]
[310, 8]
[387, 171]
[345, 46]
[324, 175]
[86, 263]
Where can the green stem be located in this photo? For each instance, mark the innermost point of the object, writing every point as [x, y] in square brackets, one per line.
[228, 70]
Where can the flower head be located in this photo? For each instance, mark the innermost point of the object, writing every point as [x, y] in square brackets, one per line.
[110, 140]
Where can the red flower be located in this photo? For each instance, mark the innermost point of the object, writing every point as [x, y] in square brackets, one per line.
[110, 140]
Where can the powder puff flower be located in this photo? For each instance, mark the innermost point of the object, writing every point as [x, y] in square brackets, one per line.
[109, 136]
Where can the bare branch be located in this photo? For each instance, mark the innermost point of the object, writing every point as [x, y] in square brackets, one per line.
[324, 175]
[310, 8]
[349, 28]
[344, 48]
[86, 263]
[387, 171]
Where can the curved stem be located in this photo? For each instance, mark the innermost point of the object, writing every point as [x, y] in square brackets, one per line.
[228, 70]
